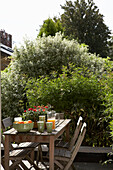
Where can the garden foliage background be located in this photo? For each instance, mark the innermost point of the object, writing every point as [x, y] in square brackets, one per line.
[61, 72]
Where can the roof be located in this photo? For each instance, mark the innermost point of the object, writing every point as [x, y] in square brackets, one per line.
[6, 49]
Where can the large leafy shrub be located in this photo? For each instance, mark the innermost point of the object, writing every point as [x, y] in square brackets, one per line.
[109, 103]
[12, 92]
[75, 92]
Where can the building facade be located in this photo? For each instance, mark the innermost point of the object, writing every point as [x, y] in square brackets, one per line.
[5, 48]
[6, 39]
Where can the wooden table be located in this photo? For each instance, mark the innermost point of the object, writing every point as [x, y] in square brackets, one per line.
[34, 136]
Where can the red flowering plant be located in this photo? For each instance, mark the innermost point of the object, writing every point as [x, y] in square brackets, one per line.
[33, 113]
[42, 110]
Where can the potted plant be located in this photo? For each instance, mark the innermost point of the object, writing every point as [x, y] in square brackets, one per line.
[33, 113]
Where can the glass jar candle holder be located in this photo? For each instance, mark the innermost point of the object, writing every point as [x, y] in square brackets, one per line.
[51, 118]
[49, 127]
[40, 126]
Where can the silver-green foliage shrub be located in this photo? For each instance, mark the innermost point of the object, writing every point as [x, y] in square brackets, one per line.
[47, 54]
[12, 93]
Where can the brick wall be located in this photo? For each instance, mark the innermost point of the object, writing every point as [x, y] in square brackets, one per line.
[6, 38]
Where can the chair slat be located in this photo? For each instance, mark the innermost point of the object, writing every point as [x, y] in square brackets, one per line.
[19, 154]
[77, 130]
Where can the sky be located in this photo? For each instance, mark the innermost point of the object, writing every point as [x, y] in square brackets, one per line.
[23, 18]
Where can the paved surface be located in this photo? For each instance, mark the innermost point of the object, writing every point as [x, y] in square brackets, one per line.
[92, 166]
[82, 166]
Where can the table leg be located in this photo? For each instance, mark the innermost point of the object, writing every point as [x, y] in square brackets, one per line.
[67, 133]
[32, 155]
[51, 153]
[6, 152]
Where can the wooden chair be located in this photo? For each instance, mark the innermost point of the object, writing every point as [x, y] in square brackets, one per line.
[20, 152]
[70, 144]
[7, 122]
[65, 152]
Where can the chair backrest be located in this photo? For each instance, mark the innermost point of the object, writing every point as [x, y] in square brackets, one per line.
[76, 147]
[5, 124]
[76, 133]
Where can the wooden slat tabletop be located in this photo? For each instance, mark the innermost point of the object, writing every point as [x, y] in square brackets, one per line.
[62, 123]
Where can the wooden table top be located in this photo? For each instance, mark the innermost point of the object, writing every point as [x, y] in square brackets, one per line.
[62, 124]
